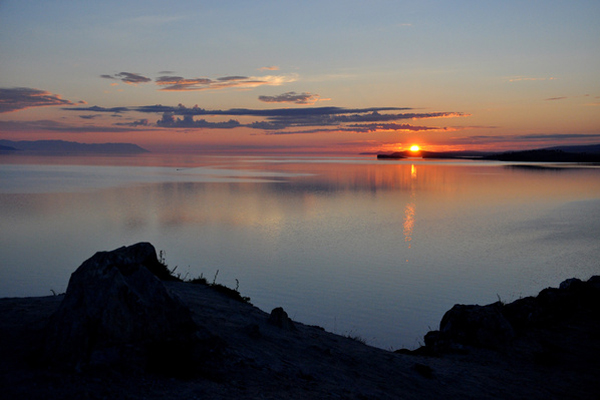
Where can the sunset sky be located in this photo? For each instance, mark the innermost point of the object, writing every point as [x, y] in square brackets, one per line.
[321, 77]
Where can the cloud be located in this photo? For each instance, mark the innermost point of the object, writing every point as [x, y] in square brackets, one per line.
[270, 113]
[291, 97]
[527, 78]
[128, 77]
[278, 120]
[556, 98]
[391, 127]
[356, 116]
[168, 120]
[178, 83]
[169, 82]
[271, 68]
[267, 126]
[20, 98]
[90, 116]
[139, 122]
[363, 128]
[114, 110]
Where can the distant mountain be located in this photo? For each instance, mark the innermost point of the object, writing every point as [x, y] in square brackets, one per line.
[64, 147]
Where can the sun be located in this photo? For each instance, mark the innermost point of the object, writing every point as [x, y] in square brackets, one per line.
[414, 148]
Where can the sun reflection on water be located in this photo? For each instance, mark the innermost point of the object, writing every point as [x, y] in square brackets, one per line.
[409, 210]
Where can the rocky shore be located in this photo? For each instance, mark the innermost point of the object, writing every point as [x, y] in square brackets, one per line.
[127, 329]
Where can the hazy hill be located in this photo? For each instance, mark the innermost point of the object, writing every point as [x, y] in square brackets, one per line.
[64, 147]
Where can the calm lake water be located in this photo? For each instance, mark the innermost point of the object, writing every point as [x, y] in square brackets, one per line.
[376, 249]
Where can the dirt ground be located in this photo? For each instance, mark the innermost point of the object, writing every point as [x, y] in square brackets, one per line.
[258, 360]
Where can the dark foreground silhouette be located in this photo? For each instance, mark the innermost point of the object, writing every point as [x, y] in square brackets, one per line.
[120, 332]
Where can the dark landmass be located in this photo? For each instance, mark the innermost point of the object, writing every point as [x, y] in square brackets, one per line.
[394, 155]
[590, 149]
[432, 154]
[546, 155]
[7, 148]
[570, 154]
[64, 147]
[122, 332]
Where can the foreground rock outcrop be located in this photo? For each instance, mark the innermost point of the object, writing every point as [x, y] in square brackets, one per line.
[114, 309]
[120, 332]
[544, 327]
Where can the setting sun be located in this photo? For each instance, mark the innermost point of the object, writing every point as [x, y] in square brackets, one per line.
[414, 148]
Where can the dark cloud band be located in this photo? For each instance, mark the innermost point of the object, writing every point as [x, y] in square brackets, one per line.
[291, 97]
[20, 98]
[128, 77]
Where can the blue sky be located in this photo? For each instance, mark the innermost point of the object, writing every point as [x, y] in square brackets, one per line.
[446, 75]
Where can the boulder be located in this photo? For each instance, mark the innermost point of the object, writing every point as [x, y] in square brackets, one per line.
[541, 322]
[280, 319]
[115, 306]
[479, 326]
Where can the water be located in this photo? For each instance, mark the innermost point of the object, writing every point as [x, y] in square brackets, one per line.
[376, 249]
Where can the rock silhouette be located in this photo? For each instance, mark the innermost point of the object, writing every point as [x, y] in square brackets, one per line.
[544, 328]
[114, 308]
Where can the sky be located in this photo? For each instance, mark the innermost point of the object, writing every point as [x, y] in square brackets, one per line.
[305, 77]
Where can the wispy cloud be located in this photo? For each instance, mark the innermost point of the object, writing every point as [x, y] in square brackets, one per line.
[273, 112]
[362, 128]
[292, 97]
[529, 78]
[178, 83]
[289, 120]
[556, 98]
[271, 68]
[130, 78]
[20, 98]
[114, 110]
[139, 122]
[391, 127]
[168, 120]
[169, 82]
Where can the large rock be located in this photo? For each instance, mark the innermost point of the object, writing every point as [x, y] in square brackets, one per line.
[541, 324]
[480, 326]
[115, 307]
